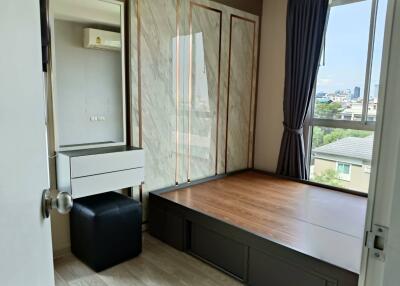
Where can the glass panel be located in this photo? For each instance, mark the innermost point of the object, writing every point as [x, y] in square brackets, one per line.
[341, 157]
[341, 76]
[377, 60]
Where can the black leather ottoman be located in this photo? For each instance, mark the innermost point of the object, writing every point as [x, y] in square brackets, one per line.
[106, 229]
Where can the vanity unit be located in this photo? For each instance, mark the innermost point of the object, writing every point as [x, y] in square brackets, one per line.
[88, 172]
[95, 161]
[89, 99]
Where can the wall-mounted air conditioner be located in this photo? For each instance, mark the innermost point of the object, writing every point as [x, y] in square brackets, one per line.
[101, 39]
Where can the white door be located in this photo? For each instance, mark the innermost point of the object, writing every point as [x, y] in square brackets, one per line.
[384, 201]
[25, 239]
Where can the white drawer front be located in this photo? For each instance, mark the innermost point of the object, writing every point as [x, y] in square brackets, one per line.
[91, 185]
[105, 163]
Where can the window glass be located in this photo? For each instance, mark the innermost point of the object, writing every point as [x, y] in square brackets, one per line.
[341, 157]
[340, 82]
[377, 60]
[343, 168]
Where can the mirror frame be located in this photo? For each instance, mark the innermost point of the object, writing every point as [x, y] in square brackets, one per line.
[52, 85]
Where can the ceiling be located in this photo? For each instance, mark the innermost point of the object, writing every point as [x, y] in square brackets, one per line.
[87, 11]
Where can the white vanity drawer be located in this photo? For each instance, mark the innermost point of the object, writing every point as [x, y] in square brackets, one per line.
[93, 171]
[105, 163]
[96, 184]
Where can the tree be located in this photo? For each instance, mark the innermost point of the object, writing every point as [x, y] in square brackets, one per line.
[324, 135]
[328, 177]
[328, 110]
[338, 134]
[318, 137]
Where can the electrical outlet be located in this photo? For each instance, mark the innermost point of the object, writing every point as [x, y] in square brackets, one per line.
[97, 118]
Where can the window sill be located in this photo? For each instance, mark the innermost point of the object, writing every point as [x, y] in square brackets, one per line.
[338, 189]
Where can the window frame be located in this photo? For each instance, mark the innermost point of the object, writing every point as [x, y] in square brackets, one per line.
[364, 124]
[343, 176]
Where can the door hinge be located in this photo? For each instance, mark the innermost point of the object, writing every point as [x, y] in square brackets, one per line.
[376, 241]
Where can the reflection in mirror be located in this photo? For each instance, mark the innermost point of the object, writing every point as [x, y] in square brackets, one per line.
[88, 73]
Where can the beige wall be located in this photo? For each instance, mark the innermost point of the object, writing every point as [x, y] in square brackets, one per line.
[269, 119]
[323, 165]
[359, 179]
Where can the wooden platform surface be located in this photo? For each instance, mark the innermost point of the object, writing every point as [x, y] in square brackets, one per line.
[322, 223]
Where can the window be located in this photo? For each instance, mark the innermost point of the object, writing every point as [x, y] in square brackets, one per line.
[341, 75]
[374, 83]
[343, 170]
[335, 148]
[346, 94]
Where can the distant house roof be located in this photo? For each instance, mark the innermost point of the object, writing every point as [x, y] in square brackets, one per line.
[324, 100]
[352, 147]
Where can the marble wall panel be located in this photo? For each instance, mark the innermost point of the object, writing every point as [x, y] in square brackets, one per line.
[240, 92]
[160, 79]
[254, 97]
[135, 103]
[205, 23]
[183, 91]
[157, 39]
[134, 83]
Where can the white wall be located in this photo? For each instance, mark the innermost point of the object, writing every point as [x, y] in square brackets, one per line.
[269, 128]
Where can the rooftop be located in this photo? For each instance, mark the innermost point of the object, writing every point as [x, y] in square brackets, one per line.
[352, 147]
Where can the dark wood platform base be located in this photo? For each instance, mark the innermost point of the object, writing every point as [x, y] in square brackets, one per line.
[247, 256]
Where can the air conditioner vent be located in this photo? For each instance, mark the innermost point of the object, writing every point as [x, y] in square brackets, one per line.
[101, 39]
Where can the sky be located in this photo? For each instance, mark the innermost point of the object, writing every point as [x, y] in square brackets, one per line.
[347, 47]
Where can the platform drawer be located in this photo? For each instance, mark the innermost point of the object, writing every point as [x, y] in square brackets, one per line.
[269, 270]
[223, 252]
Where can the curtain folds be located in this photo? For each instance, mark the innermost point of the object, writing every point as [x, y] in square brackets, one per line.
[305, 27]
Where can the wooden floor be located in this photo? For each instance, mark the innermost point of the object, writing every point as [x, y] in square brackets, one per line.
[158, 265]
[325, 224]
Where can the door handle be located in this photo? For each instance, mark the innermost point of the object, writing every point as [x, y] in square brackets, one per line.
[63, 203]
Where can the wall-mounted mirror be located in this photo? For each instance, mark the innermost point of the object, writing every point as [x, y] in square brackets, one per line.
[88, 73]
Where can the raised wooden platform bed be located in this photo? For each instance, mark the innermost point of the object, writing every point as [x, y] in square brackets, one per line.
[265, 230]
